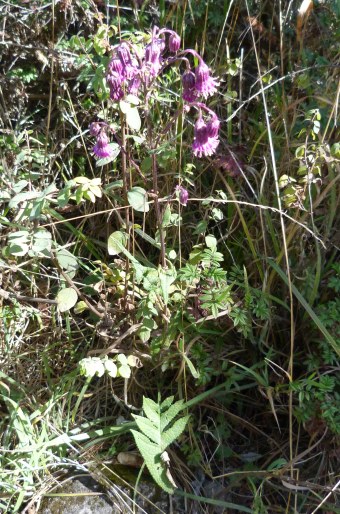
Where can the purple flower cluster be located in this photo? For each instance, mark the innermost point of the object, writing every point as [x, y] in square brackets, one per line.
[130, 67]
[127, 68]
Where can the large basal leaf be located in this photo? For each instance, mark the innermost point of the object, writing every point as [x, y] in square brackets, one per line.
[170, 435]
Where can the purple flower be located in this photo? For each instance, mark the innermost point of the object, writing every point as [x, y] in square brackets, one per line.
[95, 128]
[102, 149]
[124, 55]
[204, 144]
[115, 84]
[134, 85]
[183, 195]
[174, 42]
[153, 57]
[213, 126]
[189, 92]
[116, 66]
[205, 84]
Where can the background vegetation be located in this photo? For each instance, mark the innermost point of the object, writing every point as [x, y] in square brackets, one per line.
[238, 321]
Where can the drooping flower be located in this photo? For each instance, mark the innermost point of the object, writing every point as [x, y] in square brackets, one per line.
[183, 195]
[174, 42]
[95, 128]
[213, 126]
[153, 59]
[205, 84]
[134, 85]
[189, 91]
[204, 144]
[116, 66]
[115, 84]
[124, 54]
[102, 149]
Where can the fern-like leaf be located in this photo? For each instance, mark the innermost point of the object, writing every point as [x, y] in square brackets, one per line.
[152, 439]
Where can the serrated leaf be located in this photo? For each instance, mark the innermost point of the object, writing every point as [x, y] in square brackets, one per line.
[133, 119]
[117, 242]
[151, 410]
[168, 415]
[66, 298]
[167, 402]
[153, 461]
[137, 198]
[170, 435]
[149, 428]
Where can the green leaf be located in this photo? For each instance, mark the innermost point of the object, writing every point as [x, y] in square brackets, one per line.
[41, 243]
[106, 160]
[80, 307]
[153, 461]
[151, 409]
[117, 242]
[166, 278]
[171, 413]
[152, 440]
[110, 368]
[150, 429]
[211, 242]
[170, 435]
[124, 371]
[67, 261]
[137, 198]
[191, 367]
[133, 119]
[18, 242]
[91, 366]
[66, 298]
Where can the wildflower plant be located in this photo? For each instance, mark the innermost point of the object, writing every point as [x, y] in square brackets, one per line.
[134, 78]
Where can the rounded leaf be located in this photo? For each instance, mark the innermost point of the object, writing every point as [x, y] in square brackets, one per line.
[66, 298]
[138, 199]
[117, 242]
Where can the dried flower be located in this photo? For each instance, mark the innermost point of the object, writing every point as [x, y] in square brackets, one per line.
[203, 144]
[182, 194]
[205, 84]
[189, 92]
[102, 149]
[174, 42]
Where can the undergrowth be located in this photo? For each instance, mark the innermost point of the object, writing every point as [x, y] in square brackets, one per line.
[169, 251]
